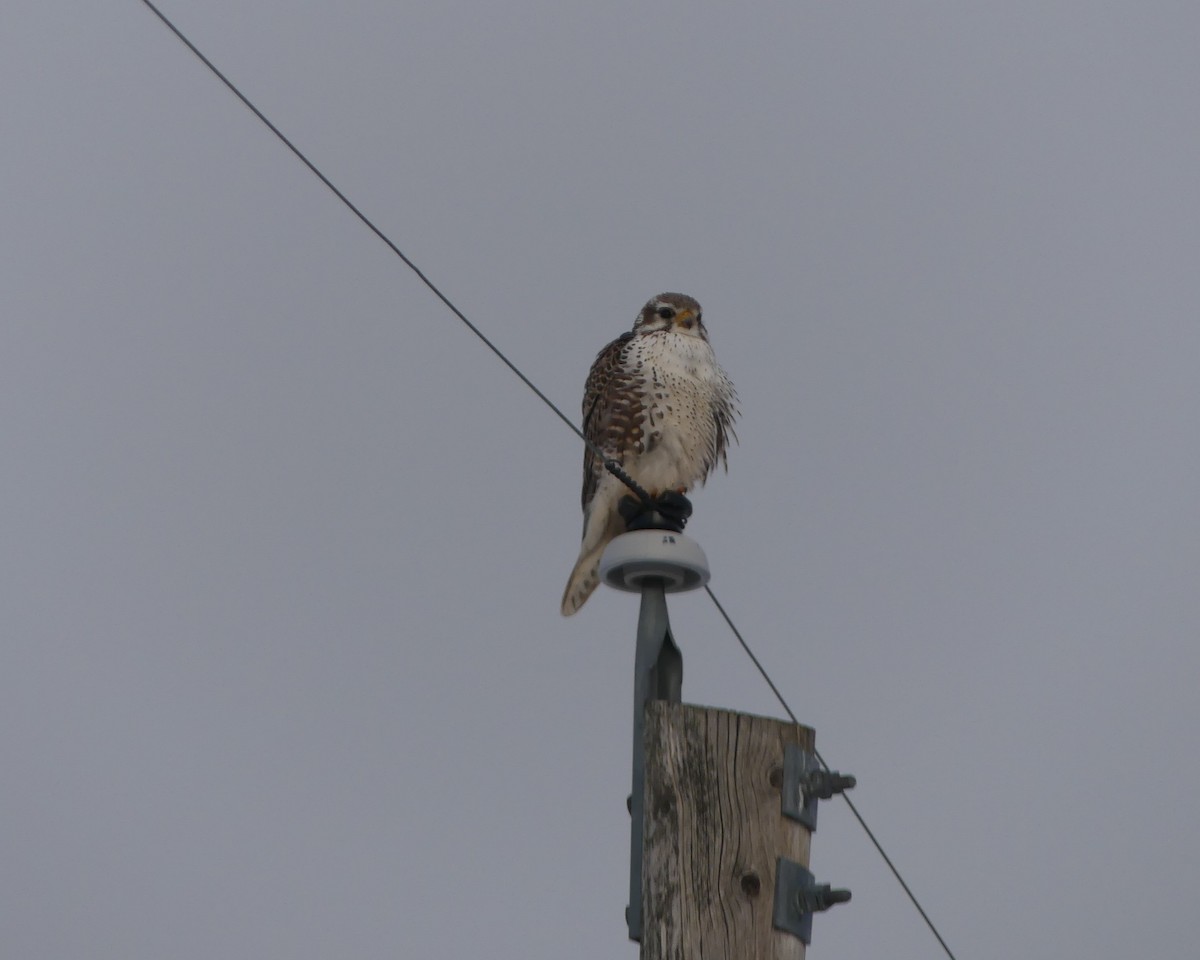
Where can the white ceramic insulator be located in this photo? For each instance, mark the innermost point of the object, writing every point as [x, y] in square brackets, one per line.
[675, 559]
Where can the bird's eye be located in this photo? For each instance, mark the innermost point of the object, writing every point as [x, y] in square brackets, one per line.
[667, 313]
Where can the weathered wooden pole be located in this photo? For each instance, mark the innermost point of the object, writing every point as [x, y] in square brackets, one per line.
[714, 832]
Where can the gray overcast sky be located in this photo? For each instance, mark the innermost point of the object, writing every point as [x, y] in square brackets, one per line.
[283, 674]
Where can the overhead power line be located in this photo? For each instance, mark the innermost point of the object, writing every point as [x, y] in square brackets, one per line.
[613, 466]
[821, 760]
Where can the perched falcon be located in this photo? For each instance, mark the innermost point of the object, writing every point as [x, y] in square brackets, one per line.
[657, 402]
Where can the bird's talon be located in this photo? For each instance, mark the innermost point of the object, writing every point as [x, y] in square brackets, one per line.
[670, 512]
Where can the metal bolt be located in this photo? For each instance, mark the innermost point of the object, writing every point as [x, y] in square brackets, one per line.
[819, 898]
[823, 785]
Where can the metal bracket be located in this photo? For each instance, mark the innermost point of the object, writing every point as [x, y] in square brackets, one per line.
[652, 562]
[658, 675]
[798, 897]
[806, 781]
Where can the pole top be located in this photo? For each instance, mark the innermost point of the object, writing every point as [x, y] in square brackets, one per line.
[632, 559]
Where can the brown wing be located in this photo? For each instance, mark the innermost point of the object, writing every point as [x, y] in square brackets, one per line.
[611, 411]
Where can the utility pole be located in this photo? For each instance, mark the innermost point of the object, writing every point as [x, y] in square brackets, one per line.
[723, 803]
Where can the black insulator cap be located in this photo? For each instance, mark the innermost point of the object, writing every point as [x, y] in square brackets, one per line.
[670, 511]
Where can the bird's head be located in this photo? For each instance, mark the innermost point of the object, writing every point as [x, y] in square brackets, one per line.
[671, 311]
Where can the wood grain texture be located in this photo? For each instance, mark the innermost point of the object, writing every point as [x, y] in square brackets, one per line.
[713, 829]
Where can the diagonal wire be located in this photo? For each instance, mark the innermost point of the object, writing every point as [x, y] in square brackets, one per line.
[611, 465]
[821, 760]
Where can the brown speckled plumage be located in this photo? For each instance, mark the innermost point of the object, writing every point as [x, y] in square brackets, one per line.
[657, 401]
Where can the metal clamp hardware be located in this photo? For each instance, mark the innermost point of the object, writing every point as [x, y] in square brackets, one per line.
[652, 562]
[658, 675]
[805, 781]
[798, 897]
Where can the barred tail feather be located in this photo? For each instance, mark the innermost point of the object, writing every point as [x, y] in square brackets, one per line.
[602, 522]
[583, 581]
